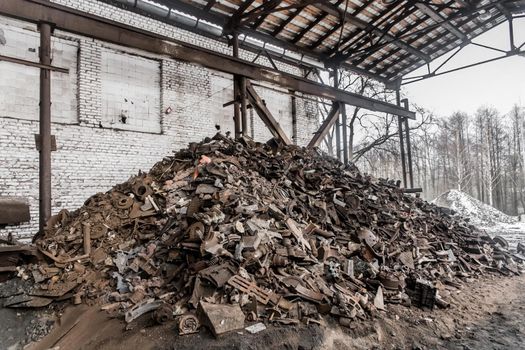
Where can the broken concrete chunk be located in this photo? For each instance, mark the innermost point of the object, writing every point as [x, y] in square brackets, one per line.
[256, 328]
[221, 318]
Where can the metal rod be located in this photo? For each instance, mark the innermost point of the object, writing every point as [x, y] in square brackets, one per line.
[511, 34]
[33, 64]
[236, 105]
[338, 121]
[45, 127]
[509, 54]
[448, 59]
[244, 112]
[294, 117]
[401, 143]
[345, 132]
[488, 47]
[409, 148]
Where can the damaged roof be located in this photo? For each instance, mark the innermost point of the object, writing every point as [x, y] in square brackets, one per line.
[385, 39]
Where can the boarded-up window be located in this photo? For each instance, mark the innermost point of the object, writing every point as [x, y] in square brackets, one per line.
[130, 92]
[19, 84]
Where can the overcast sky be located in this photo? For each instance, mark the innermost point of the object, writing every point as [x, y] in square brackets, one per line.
[500, 84]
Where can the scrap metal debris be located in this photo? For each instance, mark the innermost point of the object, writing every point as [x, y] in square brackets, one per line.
[227, 230]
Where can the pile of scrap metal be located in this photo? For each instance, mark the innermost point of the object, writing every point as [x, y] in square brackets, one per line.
[227, 232]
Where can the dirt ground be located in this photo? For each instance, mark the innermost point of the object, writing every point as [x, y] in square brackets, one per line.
[487, 313]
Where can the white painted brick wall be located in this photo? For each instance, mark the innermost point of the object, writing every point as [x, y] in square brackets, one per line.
[92, 156]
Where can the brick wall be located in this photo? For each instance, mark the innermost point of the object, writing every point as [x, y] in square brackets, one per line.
[94, 154]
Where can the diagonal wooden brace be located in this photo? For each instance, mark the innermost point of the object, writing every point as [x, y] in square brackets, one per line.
[325, 127]
[265, 114]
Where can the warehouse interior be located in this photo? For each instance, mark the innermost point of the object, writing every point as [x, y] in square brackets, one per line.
[222, 100]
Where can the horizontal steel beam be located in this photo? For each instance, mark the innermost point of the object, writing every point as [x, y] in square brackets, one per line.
[77, 22]
[33, 64]
[222, 20]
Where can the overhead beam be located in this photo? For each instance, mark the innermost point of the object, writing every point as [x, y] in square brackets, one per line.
[221, 20]
[336, 11]
[330, 120]
[227, 24]
[430, 12]
[265, 114]
[77, 22]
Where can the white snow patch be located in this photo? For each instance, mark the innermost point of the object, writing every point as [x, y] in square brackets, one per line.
[479, 213]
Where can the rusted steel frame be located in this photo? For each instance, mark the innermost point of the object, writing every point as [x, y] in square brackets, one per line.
[401, 141]
[325, 127]
[466, 19]
[266, 115]
[507, 55]
[266, 38]
[336, 11]
[33, 64]
[80, 23]
[44, 182]
[418, 34]
[236, 105]
[361, 37]
[437, 17]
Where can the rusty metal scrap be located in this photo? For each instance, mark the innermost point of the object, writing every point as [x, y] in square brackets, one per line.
[271, 233]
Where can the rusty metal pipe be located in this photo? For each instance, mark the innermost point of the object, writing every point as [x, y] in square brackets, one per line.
[409, 148]
[338, 121]
[45, 126]
[244, 109]
[236, 88]
[401, 142]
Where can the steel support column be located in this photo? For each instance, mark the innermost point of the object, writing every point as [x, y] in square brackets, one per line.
[244, 110]
[345, 132]
[236, 88]
[401, 142]
[409, 148]
[294, 117]
[338, 121]
[44, 182]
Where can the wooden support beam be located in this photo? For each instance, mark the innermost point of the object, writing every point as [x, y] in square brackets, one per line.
[80, 23]
[266, 115]
[330, 120]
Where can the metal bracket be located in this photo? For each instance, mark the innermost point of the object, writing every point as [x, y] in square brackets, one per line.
[53, 143]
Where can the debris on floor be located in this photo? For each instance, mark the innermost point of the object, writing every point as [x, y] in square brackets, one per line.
[229, 234]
